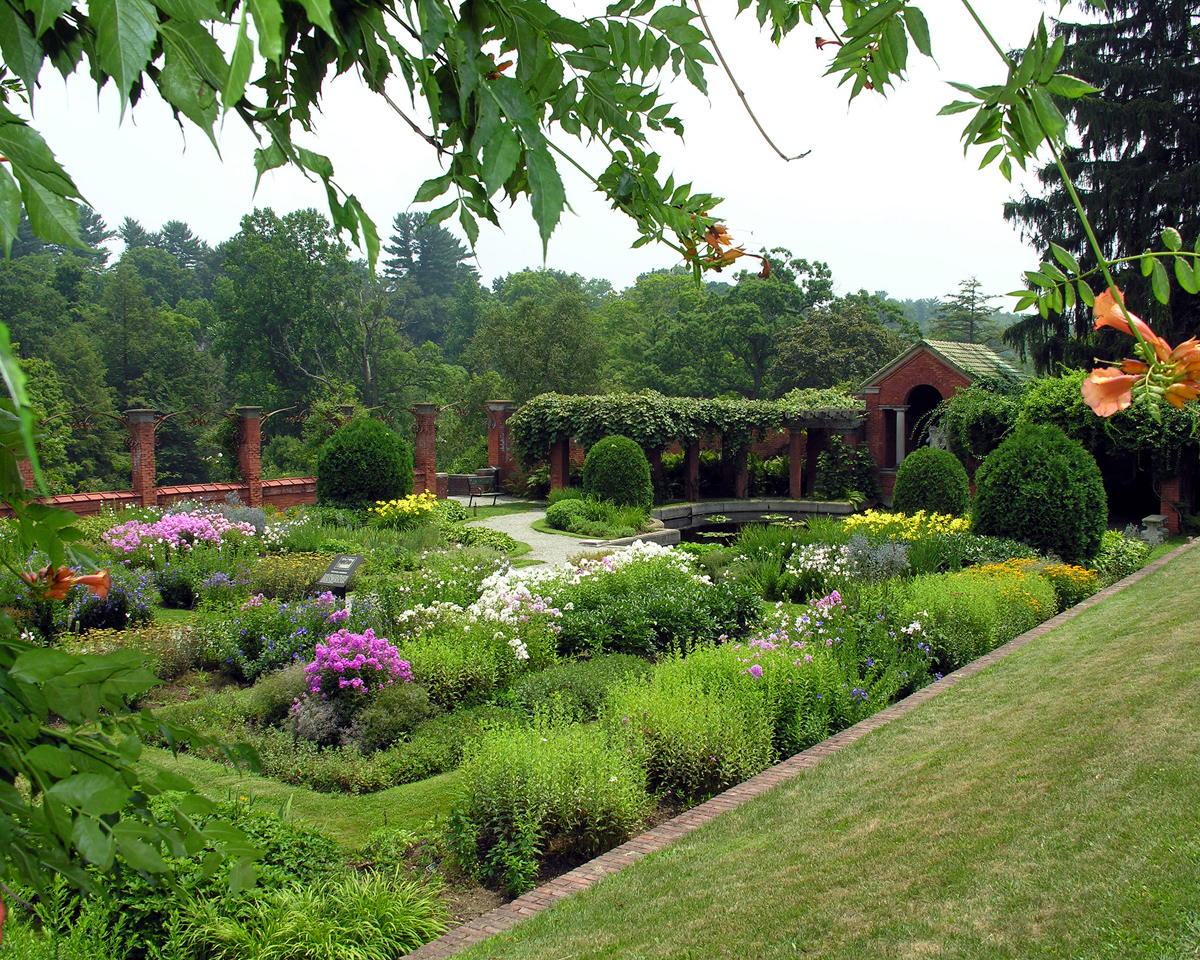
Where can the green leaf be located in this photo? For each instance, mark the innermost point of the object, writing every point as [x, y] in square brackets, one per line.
[958, 106]
[547, 195]
[1186, 275]
[38, 666]
[684, 33]
[1064, 85]
[92, 793]
[189, 10]
[1147, 262]
[918, 29]
[10, 210]
[369, 231]
[1172, 240]
[22, 52]
[184, 90]
[500, 156]
[1160, 283]
[469, 225]
[239, 67]
[866, 24]
[432, 189]
[242, 875]
[196, 44]
[991, 155]
[45, 12]
[442, 213]
[1086, 294]
[1065, 258]
[93, 843]
[50, 760]
[268, 21]
[139, 854]
[126, 31]
[318, 13]
[670, 16]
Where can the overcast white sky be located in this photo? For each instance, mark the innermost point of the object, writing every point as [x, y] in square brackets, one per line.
[886, 196]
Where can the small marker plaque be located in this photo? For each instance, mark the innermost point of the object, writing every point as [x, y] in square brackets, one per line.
[337, 577]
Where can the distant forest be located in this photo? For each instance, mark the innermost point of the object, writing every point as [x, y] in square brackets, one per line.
[282, 316]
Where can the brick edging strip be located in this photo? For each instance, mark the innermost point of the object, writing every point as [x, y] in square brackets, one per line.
[535, 901]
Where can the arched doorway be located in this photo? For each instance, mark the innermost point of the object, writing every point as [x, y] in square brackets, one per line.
[921, 400]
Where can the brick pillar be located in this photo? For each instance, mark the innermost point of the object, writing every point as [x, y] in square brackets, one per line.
[795, 456]
[560, 464]
[141, 455]
[425, 469]
[25, 466]
[654, 458]
[691, 471]
[249, 438]
[741, 478]
[1171, 494]
[499, 448]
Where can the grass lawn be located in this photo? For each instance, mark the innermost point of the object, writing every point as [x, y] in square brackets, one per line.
[478, 512]
[347, 818]
[1047, 807]
[165, 615]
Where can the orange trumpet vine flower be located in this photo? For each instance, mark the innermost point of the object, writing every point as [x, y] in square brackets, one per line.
[56, 584]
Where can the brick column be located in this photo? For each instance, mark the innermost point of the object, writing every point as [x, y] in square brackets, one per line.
[813, 446]
[691, 472]
[654, 458]
[25, 466]
[796, 439]
[1171, 494]
[499, 449]
[424, 467]
[249, 440]
[560, 464]
[141, 455]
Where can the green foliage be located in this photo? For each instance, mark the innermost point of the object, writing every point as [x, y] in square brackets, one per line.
[576, 690]
[373, 916]
[1119, 556]
[563, 493]
[529, 789]
[1041, 487]
[616, 469]
[270, 699]
[653, 420]
[931, 480]
[844, 471]
[976, 419]
[694, 726]
[391, 715]
[559, 515]
[287, 576]
[362, 463]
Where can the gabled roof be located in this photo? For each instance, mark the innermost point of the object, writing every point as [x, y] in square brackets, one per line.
[972, 360]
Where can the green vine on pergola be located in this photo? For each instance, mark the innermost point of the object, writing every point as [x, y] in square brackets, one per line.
[653, 420]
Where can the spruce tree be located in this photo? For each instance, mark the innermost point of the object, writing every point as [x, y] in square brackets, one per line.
[1137, 169]
[965, 316]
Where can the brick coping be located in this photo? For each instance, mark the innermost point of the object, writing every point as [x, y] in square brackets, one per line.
[529, 904]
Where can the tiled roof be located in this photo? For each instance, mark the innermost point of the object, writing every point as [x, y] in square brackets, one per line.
[976, 359]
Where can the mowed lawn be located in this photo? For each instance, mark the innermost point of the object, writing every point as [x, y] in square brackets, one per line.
[1048, 807]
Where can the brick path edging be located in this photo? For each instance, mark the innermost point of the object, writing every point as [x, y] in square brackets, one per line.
[535, 901]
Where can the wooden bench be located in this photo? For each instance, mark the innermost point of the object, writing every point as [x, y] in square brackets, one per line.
[482, 487]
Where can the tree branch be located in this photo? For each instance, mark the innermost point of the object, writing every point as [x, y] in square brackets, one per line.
[738, 89]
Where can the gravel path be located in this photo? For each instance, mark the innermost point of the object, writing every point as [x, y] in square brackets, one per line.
[548, 547]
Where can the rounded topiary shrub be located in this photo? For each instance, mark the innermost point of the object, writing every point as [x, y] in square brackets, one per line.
[931, 480]
[617, 470]
[559, 515]
[362, 463]
[1043, 488]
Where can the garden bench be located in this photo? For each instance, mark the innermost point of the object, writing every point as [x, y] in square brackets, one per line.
[482, 487]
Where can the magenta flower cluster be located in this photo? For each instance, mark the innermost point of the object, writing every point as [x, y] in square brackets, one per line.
[175, 530]
[355, 662]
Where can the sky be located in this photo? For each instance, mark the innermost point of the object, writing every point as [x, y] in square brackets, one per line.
[885, 196]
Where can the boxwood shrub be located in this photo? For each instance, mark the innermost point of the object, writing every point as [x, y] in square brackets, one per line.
[931, 480]
[617, 470]
[1043, 488]
[362, 463]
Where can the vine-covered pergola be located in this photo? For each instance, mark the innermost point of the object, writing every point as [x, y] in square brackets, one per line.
[544, 427]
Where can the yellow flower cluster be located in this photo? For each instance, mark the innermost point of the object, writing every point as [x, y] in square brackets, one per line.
[1013, 578]
[402, 513]
[897, 526]
[1071, 583]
